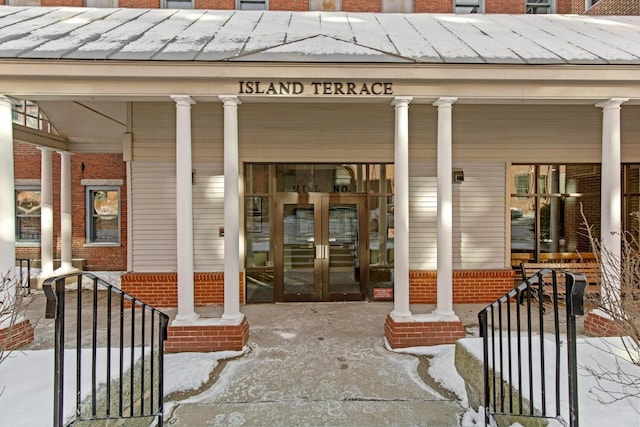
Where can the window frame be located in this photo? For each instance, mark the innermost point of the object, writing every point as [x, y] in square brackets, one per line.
[239, 4]
[90, 222]
[18, 216]
[550, 4]
[164, 4]
[480, 7]
[539, 194]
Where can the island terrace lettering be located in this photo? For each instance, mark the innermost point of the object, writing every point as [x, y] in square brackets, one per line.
[317, 88]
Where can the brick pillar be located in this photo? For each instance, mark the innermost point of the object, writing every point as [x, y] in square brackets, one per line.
[598, 324]
[206, 338]
[16, 336]
[420, 333]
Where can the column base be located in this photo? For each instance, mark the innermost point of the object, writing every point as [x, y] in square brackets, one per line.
[419, 332]
[598, 325]
[206, 336]
[16, 336]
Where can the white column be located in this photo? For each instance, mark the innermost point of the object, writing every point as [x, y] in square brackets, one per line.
[231, 211]
[46, 211]
[184, 209]
[444, 208]
[401, 209]
[66, 228]
[611, 192]
[7, 195]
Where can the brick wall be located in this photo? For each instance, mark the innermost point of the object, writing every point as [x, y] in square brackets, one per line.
[361, 5]
[56, 3]
[207, 338]
[504, 6]
[433, 6]
[599, 326]
[144, 4]
[469, 286]
[295, 5]
[412, 334]
[16, 336]
[615, 7]
[27, 163]
[215, 4]
[161, 289]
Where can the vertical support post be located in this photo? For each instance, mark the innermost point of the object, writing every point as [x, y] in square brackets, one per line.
[401, 209]
[7, 199]
[66, 227]
[611, 197]
[444, 208]
[231, 211]
[184, 209]
[46, 211]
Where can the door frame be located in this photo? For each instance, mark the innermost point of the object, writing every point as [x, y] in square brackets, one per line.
[321, 203]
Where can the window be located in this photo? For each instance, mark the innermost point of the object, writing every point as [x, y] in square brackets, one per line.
[468, 6]
[590, 3]
[548, 217]
[103, 215]
[28, 113]
[631, 200]
[539, 7]
[28, 202]
[177, 4]
[252, 4]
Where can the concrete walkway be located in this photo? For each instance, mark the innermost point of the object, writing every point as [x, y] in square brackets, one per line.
[319, 364]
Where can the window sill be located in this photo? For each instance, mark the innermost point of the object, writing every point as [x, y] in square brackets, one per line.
[102, 245]
[27, 244]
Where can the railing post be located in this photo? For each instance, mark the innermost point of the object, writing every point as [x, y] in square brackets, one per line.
[482, 321]
[576, 285]
[54, 292]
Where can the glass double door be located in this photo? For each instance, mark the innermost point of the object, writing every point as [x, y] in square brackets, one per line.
[320, 243]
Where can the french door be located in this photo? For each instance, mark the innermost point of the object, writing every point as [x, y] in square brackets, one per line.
[320, 248]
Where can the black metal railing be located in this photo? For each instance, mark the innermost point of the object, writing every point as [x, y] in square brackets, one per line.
[519, 359]
[24, 274]
[109, 352]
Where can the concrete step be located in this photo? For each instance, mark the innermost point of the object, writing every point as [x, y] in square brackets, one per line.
[368, 413]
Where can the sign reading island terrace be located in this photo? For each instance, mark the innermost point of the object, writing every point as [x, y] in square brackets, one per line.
[257, 87]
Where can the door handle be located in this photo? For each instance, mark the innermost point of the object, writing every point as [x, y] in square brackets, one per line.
[319, 251]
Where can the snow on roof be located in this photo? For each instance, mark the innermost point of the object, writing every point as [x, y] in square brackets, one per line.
[269, 36]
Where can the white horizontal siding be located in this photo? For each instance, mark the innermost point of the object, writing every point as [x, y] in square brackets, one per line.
[154, 217]
[350, 132]
[153, 227]
[316, 132]
[208, 217]
[422, 219]
[478, 217]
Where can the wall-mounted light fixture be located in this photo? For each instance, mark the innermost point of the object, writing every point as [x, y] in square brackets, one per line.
[458, 176]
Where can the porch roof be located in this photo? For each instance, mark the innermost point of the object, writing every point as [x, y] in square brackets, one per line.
[269, 36]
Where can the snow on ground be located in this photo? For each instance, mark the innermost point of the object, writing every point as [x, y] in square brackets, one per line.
[601, 402]
[27, 377]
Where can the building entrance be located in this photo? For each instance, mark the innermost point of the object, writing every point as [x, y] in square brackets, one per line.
[318, 232]
[322, 246]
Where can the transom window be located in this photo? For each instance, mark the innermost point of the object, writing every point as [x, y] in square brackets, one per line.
[28, 113]
[103, 215]
[28, 207]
